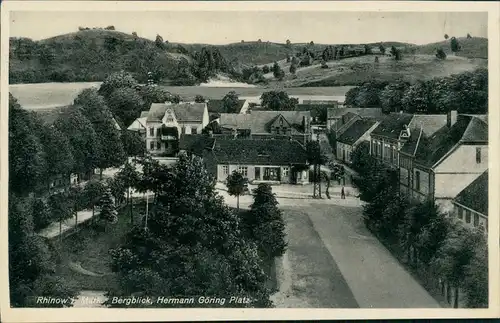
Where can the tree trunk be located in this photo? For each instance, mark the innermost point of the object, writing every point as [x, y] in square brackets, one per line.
[129, 201]
[455, 303]
[238, 203]
[448, 292]
[93, 213]
[76, 219]
[60, 230]
[100, 173]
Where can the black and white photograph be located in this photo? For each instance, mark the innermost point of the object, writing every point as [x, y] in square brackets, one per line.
[164, 156]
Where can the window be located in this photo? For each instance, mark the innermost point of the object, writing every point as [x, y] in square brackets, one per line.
[158, 145]
[476, 220]
[152, 145]
[151, 132]
[194, 131]
[170, 119]
[257, 173]
[467, 216]
[417, 180]
[225, 169]
[243, 170]
[286, 171]
[478, 155]
[460, 213]
[374, 148]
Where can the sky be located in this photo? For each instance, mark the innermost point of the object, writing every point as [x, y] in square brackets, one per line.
[222, 27]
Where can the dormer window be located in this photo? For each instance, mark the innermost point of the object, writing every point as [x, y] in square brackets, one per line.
[170, 119]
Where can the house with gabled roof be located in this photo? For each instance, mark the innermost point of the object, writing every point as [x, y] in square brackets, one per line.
[272, 161]
[356, 133]
[470, 206]
[165, 122]
[139, 124]
[440, 166]
[268, 125]
[216, 106]
[339, 119]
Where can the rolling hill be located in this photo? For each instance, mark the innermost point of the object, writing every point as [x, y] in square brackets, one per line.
[90, 55]
[475, 47]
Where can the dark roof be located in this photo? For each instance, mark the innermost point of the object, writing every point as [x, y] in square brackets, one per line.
[316, 110]
[259, 152]
[259, 121]
[183, 112]
[216, 106]
[467, 129]
[475, 196]
[362, 112]
[50, 115]
[355, 131]
[392, 125]
[196, 144]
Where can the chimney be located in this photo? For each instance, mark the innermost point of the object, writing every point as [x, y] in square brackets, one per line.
[451, 118]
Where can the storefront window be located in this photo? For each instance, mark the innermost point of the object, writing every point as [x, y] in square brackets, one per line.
[271, 174]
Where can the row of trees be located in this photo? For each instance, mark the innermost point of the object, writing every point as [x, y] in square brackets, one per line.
[440, 248]
[466, 92]
[83, 137]
[192, 243]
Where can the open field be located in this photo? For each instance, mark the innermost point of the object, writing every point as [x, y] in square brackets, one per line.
[45, 95]
[357, 70]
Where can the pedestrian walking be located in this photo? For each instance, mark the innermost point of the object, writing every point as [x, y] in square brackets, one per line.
[342, 193]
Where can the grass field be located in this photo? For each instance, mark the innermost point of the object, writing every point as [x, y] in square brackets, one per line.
[91, 250]
[357, 70]
[44, 95]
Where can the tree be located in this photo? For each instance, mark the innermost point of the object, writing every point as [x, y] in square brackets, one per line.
[92, 194]
[311, 43]
[199, 99]
[288, 43]
[116, 81]
[27, 164]
[416, 98]
[396, 53]
[212, 127]
[60, 208]
[159, 42]
[117, 189]
[265, 69]
[175, 98]
[382, 49]
[391, 96]
[134, 34]
[277, 71]
[367, 50]
[476, 279]
[126, 104]
[236, 184]
[42, 216]
[361, 161]
[108, 213]
[133, 144]
[230, 102]
[58, 152]
[446, 36]
[316, 159]
[31, 263]
[266, 224]
[455, 46]
[130, 178]
[77, 201]
[82, 138]
[469, 36]
[94, 108]
[293, 68]
[278, 101]
[440, 54]
[455, 255]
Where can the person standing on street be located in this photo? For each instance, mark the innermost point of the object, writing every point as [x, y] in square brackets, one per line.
[342, 193]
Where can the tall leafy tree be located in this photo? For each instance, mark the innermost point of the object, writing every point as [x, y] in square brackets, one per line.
[278, 101]
[392, 95]
[58, 152]
[108, 213]
[82, 137]
[476, 280]
[42, 216]
[456, 254]
[93, 192]
[133, 144]
[126, 104]
[130, 178]
[94, 108]
[230, 102]
[193, 231]
[236, 186]
[61, 209]
[266, 222]
[455, 46]
[27, 163]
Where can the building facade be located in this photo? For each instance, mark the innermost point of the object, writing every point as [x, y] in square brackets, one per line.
[358, 132]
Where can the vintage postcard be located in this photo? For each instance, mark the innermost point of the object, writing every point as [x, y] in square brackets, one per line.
[243, 160]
